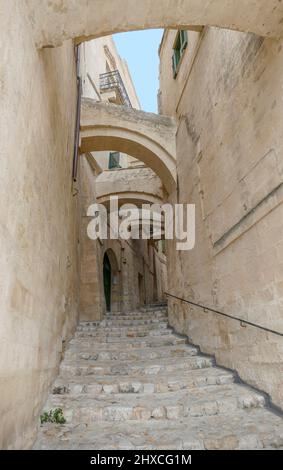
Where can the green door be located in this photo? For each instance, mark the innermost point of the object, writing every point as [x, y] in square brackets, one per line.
[107, 281]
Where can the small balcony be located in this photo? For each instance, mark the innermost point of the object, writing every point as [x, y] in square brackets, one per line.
[111, 82]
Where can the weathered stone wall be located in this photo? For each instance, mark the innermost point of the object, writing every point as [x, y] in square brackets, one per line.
[228, 100]
[91, 295]
[38, 259]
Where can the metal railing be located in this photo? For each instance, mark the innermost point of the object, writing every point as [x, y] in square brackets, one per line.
[208, 309]
[113, 81]
[78, 116]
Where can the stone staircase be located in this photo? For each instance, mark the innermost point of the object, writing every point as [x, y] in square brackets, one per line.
[129, 382]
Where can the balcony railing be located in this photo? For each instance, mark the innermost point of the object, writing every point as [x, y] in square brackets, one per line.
[113, 81]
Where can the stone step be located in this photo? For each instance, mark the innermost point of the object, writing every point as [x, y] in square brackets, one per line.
[137, 315]
[161, 304]
[126, 330]
[245, 430]
[158, 308]
[194, 402]
[133, 322]
[127, 321]
[124, 322]
[149, 320]
[93, 386]
[128, 333]
[123, 333]
[98, 354]
[135, 368]
[147, 342]
[147, 310]
[111, 325]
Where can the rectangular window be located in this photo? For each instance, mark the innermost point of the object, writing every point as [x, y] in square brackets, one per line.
[114, 160]
[180, 45]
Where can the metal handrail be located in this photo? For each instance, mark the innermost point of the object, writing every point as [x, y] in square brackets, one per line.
[78, 116]
[110, 80]
[208, 309]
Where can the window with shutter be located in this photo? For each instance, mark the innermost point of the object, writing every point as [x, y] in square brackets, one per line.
[174, 64]
[114, 160]
[180, 45]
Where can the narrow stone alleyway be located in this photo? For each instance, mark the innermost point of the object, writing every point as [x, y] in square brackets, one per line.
[129, 382]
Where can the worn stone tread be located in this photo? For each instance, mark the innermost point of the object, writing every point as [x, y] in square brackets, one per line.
[235, 390]
[135, 368]
[131, 342]
[184, 403]
[124, 335]
[112, 325]
[249, 429]
[155, 384]
[96, 353]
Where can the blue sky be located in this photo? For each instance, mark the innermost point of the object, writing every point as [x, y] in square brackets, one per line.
[140, 49]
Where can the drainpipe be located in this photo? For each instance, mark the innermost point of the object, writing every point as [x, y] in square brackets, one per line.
[78, 115]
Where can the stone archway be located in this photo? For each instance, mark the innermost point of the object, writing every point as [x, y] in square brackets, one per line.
[145, 136]
[55, 21]
[132, 185]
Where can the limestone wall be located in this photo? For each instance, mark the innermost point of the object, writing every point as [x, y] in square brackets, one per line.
[38, 256]
[228, 100]
[91, 296]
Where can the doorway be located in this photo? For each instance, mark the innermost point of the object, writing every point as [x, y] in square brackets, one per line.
[141, 290]
[107, 279]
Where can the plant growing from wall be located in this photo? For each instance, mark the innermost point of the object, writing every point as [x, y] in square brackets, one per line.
[53, 416]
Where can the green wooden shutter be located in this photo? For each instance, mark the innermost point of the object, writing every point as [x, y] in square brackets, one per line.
[114, 160]
[183, 40]
[174, 64]
[180, 46]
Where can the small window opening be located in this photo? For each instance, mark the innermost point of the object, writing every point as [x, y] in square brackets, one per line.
[179, 48]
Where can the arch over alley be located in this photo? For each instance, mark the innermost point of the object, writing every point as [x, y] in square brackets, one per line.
[132, 185]
[55, 21]
[145, 136]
